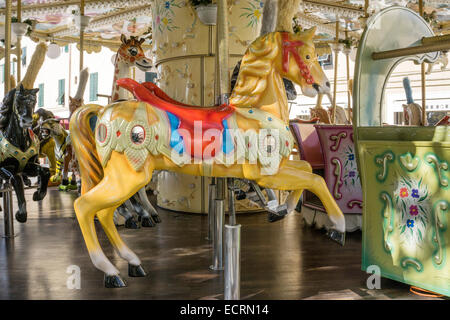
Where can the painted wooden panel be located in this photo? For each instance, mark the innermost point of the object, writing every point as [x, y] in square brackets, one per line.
[341, 171]
[406, 211]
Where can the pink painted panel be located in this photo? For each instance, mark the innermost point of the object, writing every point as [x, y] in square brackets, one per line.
[341, 171]
[308, 142]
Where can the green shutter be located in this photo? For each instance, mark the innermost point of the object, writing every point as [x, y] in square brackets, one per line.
[61, 91]
[24, 56]
[93, 86]
[41, 95]
[66, 48]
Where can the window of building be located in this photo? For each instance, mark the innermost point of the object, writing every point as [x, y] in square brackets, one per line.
[61, 91]
[24, 56]
[150, 77]
[93, 86]
[41, 95]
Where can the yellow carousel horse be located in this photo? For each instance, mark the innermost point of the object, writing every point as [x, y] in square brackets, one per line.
[248, 139]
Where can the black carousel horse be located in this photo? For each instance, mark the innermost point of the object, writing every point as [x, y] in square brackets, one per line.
[19, 146]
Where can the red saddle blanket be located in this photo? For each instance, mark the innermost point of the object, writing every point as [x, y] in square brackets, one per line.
[207, 117]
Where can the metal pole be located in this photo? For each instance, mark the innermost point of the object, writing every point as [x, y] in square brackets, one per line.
[7, 45]
[211, 210]
[8, 212]
[18, 45]
[347, 58]
[217, 261]
[425, 48]
[231, 210]
[81, 35]
[422, 78]
[232, 262]
[333, 112]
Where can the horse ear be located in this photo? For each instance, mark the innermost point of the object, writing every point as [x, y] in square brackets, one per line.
[35, 90]
[123, 38]
[309, 34]
[21, 87]
[141, 40]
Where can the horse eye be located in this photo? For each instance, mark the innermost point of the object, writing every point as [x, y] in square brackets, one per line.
[308, 57]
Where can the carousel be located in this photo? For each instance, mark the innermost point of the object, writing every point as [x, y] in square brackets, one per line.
[225, 150]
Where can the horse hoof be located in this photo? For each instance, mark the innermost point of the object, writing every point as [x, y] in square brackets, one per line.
[147, 222]
[37, 196]
[130, 223]
[21, 217]
[337, 236]
[272, 217]
[157, 219]
[114, 281]
[136, 271]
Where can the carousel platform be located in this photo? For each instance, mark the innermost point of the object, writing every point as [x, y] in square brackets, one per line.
[282, 260]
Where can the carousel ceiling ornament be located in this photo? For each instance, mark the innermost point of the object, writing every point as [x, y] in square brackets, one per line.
[53, 7]
[328, 7]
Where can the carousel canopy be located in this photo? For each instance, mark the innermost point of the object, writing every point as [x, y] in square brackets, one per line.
[59, 20]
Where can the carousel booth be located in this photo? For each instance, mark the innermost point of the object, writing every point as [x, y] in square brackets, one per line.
[404, 170]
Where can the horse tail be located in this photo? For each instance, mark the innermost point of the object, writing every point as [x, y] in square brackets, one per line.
[83, 141]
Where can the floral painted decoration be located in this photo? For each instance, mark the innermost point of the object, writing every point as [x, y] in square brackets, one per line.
[253, 12]
[413, 209]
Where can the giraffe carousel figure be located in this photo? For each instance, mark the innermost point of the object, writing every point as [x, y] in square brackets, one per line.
[248, 139]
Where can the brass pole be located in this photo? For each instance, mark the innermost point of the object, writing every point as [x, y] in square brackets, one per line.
[222, 64]
[442, 38]
[7, 45]
[366, 8]
[347, 58]
[222, 46]
[18, 45]
[425, 48]
[81, 35]
[422, 77]
[336, 52]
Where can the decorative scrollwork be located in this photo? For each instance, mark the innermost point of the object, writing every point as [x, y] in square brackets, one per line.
[439, 167]
[337, 138]
[338, 182]
[353, 203]
[383, 160]
[409, 161]
[440, 207]
[388, 213]
[412, 262]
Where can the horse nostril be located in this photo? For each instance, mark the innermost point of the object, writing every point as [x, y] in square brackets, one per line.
[327, 84]
[315, 86]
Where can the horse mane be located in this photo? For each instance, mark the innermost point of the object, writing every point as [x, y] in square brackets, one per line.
[256, 66]
[6, 107]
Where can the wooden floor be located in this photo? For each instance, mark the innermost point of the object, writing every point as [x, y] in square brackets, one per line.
[282, 260]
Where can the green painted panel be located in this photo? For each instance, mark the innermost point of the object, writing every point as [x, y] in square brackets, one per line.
[406, 214]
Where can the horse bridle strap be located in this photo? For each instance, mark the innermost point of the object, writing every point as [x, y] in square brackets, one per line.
[290, 46]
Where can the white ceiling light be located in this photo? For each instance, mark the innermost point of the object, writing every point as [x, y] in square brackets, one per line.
[53, 51]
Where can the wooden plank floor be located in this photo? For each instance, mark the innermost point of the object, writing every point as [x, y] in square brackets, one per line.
[282, 260]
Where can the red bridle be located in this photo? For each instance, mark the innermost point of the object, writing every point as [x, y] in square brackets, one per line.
[290, 46]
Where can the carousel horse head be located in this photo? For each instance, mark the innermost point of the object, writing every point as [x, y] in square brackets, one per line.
[131, 53]
[291, 56]
[19, 102]
[300, 64]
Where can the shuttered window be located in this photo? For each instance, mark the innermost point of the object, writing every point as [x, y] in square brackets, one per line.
[93, 86]
[61, 91]
[150, 77]
[24, 56]
[41, 95]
